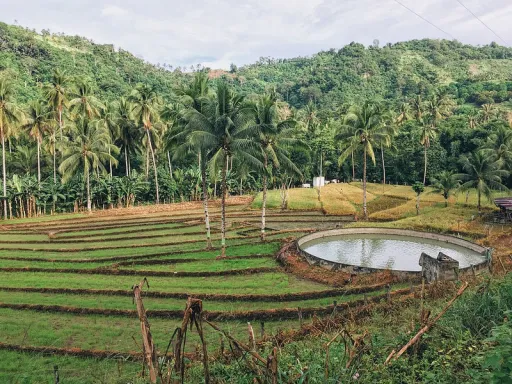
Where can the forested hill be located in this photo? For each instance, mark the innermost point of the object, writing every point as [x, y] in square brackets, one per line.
[32, 58]
[474, 74]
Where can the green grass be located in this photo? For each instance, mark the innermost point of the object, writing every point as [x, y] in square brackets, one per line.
[209, 265]
[29, 368]
[235, 250]
[137, 251]
[151, 303]
[261, 283]
[125, 243]
[112, 231]
[106, 332]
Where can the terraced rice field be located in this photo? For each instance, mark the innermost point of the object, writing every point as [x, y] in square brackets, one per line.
[65, 284]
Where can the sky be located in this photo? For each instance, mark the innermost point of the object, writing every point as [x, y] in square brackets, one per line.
[216, 33]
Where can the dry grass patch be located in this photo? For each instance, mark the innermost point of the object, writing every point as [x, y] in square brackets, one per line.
[400, 211]
[354, 193]
[334, 202]
[298, 199]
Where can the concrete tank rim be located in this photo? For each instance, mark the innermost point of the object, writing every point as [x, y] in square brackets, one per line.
[390, 231]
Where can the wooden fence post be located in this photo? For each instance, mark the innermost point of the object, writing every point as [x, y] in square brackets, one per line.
[56, 374]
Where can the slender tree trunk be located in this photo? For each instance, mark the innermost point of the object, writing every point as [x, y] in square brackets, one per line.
[353, 166]
[264, 196]
[110, 162]
[425, 170]
[4, 176]
[479, 199]
[60, 121]
[38, 164]
[147, 160]
[383, 166]
[205, 205]
[223, 208]
[154, 167]
[126, 164]
[417, 205]
[169, 161]
[321, 164]
[365, 211]
[54, 164]
[87, 179]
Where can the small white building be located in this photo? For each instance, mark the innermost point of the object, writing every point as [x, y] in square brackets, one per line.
[318, 181]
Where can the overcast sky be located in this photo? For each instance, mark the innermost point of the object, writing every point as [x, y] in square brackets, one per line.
[216, 33]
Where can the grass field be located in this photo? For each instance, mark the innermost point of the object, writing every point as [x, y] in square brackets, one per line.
[66, 280]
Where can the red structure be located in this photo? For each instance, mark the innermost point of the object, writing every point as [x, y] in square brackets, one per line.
[505, 206]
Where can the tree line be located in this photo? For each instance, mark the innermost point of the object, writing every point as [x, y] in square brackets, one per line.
[208, 140]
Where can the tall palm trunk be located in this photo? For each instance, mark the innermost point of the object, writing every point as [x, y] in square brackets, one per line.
[425, 160]
[364, 186]
[353, 166]
[60, 121]
[223, 208]
[38, 163]
[54, 164]
[87, 180]
[383, 165]
[479, 206]
[126, 162]
[264, 197]
[147, 161]
[110, 162]
[205, 206]
[4, 170]
[169, 161]
[154, 166]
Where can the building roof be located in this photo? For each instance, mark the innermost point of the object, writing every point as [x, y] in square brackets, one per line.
[504, 202]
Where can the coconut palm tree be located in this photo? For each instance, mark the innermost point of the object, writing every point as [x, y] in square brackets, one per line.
[484, 172]
[499, 143]
[37, 125]
[417, 107]
[223, 130]
[10, 118]
[83, 103]
[193, 96]
[24, 159]
[473, 119]
[50, 144]
[347, 137]
[446, 184]
[437, 108]
[129, 135]
[274, 137]
[88, 149]
[404, 113]
[107, 119]
[146, 111]
[391, 127]
[487, 112]
[368, 125]
[57, 92]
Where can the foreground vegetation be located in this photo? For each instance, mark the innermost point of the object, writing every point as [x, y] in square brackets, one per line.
[80, 299]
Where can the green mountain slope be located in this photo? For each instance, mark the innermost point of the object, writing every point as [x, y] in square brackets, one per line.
[329, 78]
[392, 72]
[31, 57]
